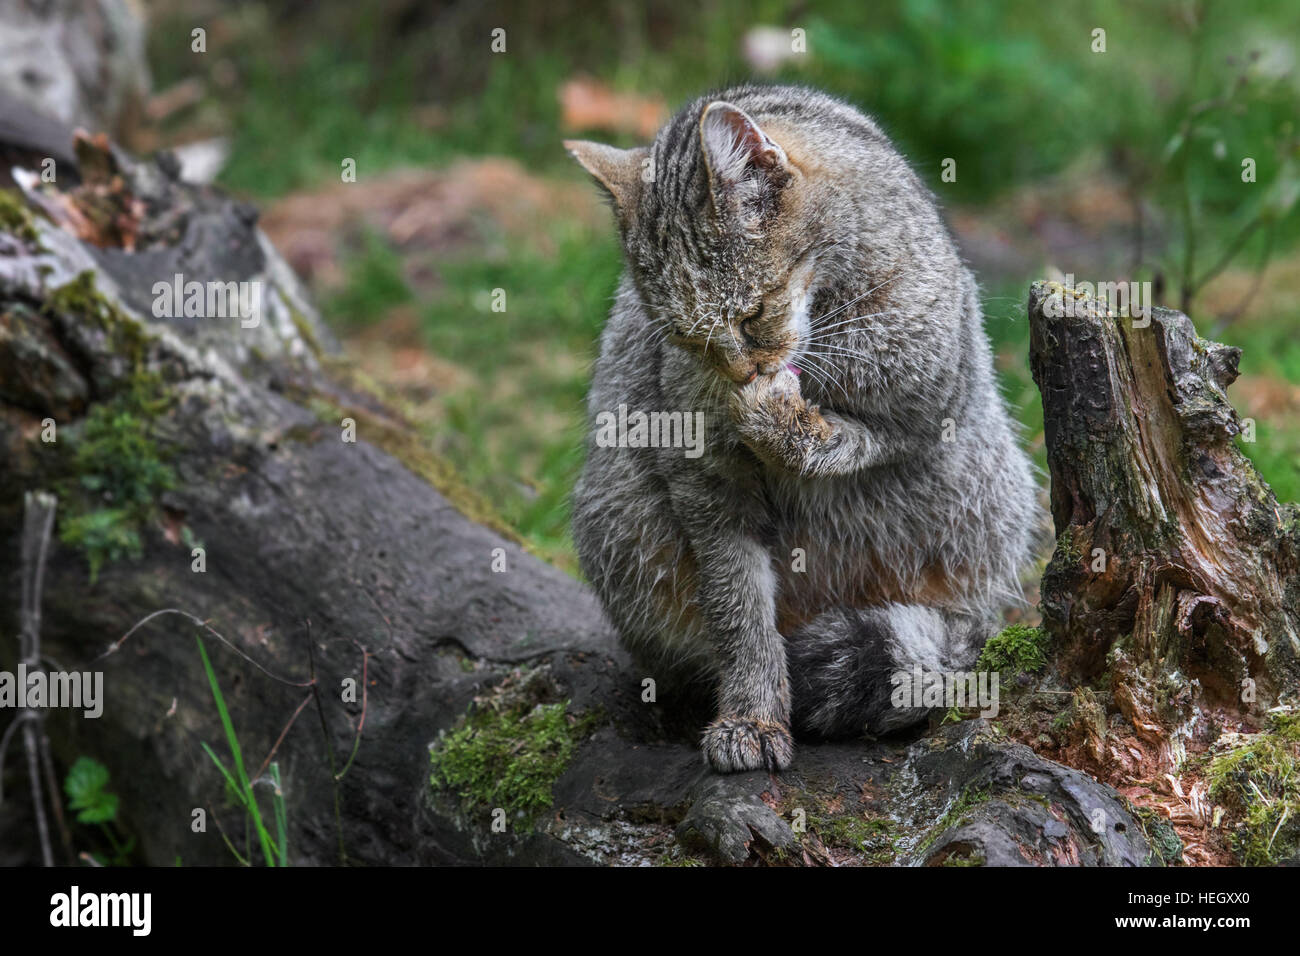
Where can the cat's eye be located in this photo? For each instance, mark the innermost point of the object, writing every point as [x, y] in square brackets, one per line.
[750, 323]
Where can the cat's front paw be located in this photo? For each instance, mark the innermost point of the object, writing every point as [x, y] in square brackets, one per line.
[774, 420]
[767, 397]
[733, 744]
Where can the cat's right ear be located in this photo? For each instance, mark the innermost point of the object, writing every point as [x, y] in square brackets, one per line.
[620, 171]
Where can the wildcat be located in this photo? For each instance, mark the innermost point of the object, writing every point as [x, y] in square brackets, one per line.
[861, 505]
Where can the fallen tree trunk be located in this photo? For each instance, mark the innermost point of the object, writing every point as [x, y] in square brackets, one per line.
[232, 484]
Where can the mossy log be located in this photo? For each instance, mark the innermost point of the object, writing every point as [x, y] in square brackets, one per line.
[357, 604]
[1175, 583]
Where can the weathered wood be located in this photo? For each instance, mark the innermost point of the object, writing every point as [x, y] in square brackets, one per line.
[1175, 568]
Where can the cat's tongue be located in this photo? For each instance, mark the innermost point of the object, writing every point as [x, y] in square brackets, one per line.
[794, 368]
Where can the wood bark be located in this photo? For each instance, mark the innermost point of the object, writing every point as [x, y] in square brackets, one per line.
[1175, 569]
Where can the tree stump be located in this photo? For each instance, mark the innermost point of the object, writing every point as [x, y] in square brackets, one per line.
[1175, 568]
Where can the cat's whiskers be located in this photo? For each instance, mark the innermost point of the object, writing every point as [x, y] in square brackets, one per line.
[818, 375]
[829, 350]
[841, 308]
[709, 338]
[843, 322]
[808, 363]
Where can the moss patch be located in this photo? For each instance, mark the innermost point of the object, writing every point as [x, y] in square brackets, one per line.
[873, 838]
[1255, 778]
[15, 218]
[119, 474]
[957, 815]
[1015, 650]
[1161, 835]
[511, 746]
[111, 471]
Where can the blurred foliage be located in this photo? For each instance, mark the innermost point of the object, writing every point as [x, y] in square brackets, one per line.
[91, 803]
[1013, 91]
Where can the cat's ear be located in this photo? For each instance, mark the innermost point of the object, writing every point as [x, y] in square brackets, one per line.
[619, 171]
[737, 151]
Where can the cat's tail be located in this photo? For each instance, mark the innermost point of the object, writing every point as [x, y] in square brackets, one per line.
[846, 665]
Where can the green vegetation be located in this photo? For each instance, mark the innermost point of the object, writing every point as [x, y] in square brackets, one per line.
[509, 749]
[375, 284]
[516, 434]
[275, 849]
[1204, 85]
[1015, 650]
[91, 803]
[15, 218]
[1160, 833]
[874, 838]
[112, 470]
[1258, 781]
[962, 858]
[676, 856]
[118, 463]
[958, 814]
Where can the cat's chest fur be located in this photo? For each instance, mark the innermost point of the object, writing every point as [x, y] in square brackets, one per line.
[830, 539]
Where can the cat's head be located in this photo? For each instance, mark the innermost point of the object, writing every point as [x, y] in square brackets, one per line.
[713, 222]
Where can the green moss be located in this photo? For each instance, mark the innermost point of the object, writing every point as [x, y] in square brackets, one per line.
[15, 218]
[957, 815]
[1257, 783]
[1160, 834]
[305, 330]
[119, 474]
[1015, 650]
[874, 838]
[968, 858]
[510, 747]
[676, 857]
[112, 471]
[79, 298]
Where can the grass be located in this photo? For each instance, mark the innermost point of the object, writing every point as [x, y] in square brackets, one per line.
[517, 434]
[275, 849]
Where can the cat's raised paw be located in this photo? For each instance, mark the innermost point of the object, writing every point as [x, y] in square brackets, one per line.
[733, 744]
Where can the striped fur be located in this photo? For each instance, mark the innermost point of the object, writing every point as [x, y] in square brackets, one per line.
[877, 501]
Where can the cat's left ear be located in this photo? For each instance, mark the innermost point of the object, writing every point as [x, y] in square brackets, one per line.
[619, 171]
[737, 151]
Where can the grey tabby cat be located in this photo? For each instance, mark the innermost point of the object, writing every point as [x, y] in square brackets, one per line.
[861, 505]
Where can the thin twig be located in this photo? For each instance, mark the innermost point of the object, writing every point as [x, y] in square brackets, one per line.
[38, 523]
[47, 765]
[116, 645]
[329, 747]
[279, 740]
[19, 718]
[365, 700]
